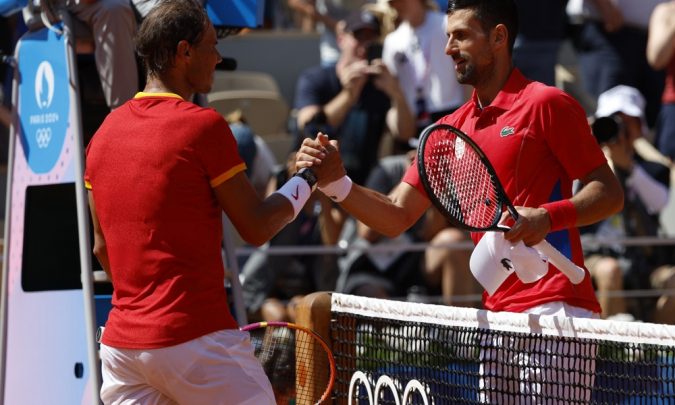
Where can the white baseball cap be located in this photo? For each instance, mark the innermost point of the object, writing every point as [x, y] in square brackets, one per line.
[494, 259]
[625, 99]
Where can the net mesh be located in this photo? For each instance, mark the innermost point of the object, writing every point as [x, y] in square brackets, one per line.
[460, 180]
[390, 352]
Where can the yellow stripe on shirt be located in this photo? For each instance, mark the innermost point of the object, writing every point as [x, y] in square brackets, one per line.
[143, 94]
[227, 175]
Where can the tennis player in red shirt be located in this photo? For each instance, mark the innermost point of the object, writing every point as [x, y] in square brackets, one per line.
[539, 142]
[161, 170]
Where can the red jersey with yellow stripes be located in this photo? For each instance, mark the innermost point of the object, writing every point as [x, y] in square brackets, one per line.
[539, 141]
[152, 167]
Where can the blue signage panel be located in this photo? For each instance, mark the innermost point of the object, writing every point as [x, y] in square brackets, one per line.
[43, 99]
[236, 13]
[9, 7]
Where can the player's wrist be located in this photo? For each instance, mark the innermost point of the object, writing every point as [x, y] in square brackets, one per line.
[339, 189]
[308, 175]
[297, 191]
[563, 214]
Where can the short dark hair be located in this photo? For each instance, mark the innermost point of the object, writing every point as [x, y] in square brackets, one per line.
[490, 13]
[170, 22]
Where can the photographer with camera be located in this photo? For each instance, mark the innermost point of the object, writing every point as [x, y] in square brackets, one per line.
[618, 123]
[355, 100]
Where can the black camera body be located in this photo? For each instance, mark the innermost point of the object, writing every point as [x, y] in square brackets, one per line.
[607, 129]
[373, 51]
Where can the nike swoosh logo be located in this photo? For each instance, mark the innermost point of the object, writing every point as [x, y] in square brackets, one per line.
[297, 193]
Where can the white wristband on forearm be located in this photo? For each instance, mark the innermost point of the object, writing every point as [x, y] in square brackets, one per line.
[297, 191]
[339, 189]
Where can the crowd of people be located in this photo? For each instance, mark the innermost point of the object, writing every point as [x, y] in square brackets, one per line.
[386, 72]
[628, 113]
[388, 69]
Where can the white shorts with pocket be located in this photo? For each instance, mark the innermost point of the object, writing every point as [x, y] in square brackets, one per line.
[218, 368]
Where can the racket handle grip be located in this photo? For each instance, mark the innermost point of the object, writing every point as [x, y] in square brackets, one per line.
[575, 273]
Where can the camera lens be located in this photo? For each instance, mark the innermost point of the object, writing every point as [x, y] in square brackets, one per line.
[605, 129]
[374, 51]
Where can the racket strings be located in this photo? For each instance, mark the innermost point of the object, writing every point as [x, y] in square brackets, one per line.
[289, 358]
[461, 181]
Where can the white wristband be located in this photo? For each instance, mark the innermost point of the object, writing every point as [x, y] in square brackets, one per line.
[339, 189]
[297, 191]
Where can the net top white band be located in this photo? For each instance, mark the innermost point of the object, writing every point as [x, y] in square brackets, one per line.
[631, 332]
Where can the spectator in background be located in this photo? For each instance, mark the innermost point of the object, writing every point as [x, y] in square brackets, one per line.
[259, 159]
[113, 26]
[354, 100]
[661, 55]
[387, 273]
[415, 54]
[272, 284]
[400, 272]
[543, 26]
[610, 38]
[326, 14]
[619, 121]
[447, 269]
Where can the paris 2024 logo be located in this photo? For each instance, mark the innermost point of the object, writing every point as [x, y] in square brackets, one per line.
[44, 105]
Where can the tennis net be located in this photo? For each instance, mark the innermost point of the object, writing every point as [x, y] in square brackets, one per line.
[391, 352]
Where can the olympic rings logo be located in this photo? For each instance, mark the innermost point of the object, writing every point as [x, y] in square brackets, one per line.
[384, 382]
[43, 136]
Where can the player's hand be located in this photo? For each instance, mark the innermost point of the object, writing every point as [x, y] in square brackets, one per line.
[532, 226]
[323, 156]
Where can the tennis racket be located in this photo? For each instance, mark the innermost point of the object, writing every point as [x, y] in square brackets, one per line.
[298, 362]
[463, 185]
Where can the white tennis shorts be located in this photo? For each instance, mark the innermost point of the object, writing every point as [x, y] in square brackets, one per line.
[514, 371]
[218, 368]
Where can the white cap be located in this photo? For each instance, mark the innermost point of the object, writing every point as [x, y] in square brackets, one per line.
[625, 99]
[494, 259]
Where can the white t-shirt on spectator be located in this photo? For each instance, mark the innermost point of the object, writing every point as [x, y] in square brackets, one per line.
[417, 57]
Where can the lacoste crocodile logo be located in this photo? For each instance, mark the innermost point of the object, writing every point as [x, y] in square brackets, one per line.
[506, 131]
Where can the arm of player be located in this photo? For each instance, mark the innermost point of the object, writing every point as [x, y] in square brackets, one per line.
[600, 197]
[389, 215]
[257, 220]
[100, 249]
[661, 40]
